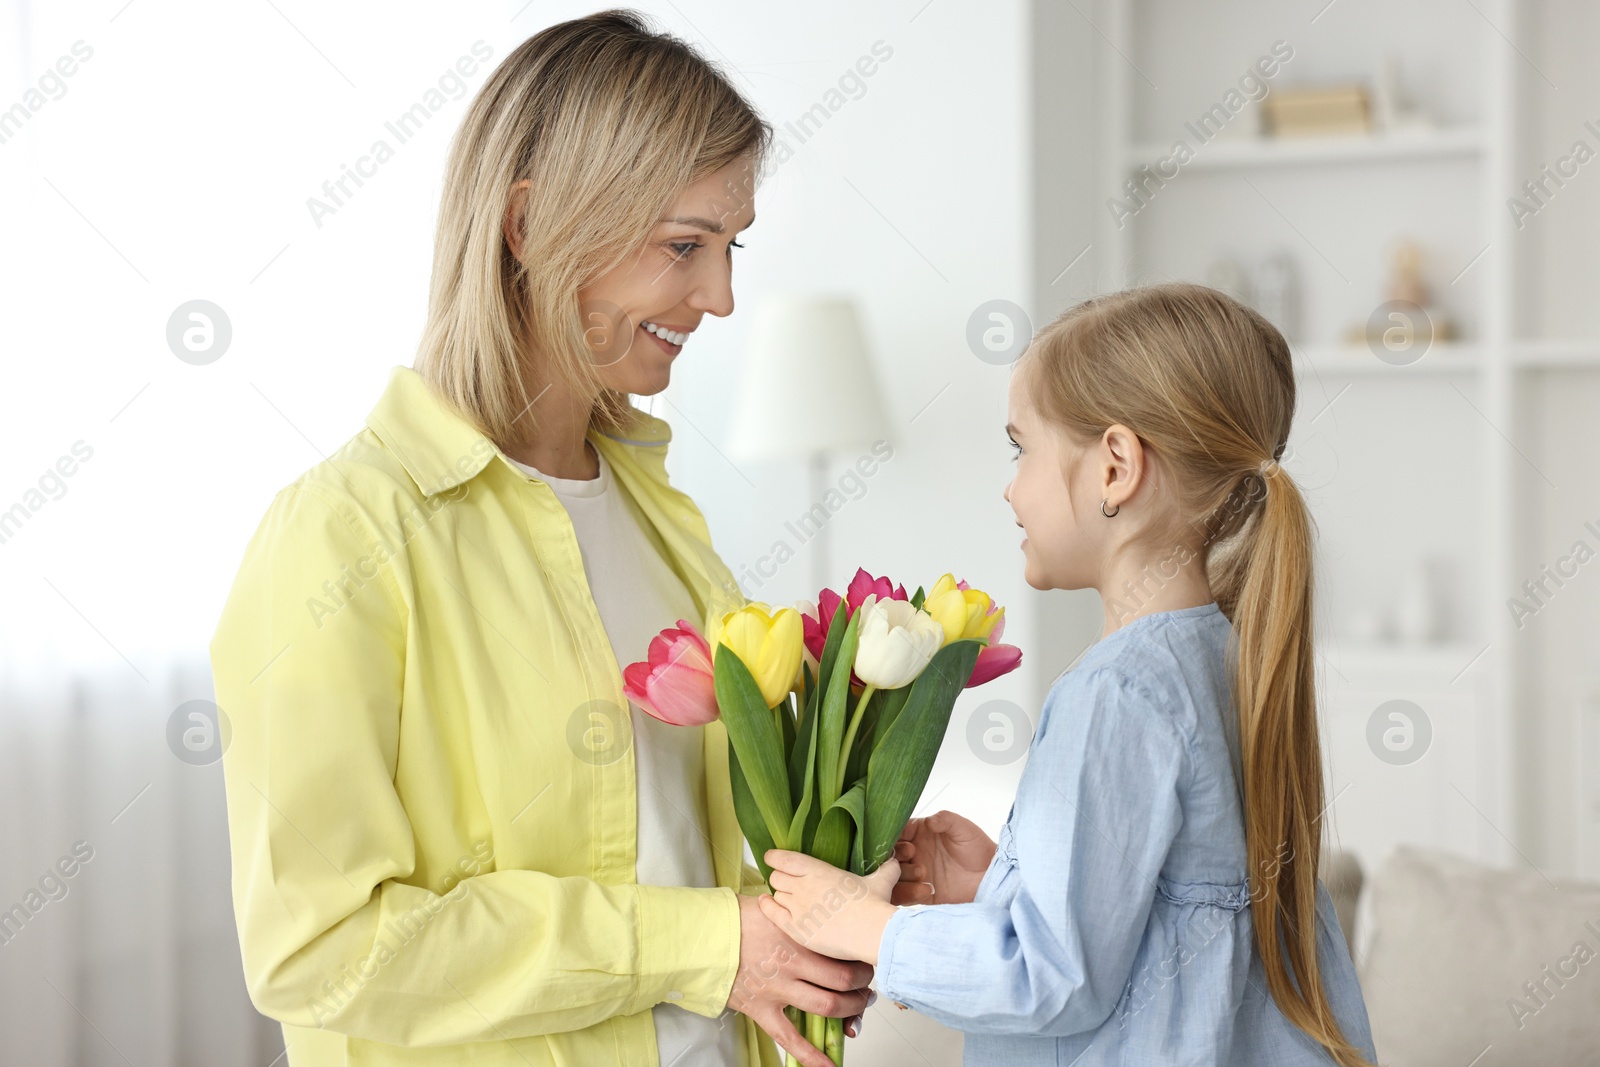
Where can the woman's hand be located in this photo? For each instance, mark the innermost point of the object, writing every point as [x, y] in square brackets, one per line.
[942, 859]
[829, 910]
[774, 971]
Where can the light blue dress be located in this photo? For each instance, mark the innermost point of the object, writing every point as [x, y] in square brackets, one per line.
[1113, 925]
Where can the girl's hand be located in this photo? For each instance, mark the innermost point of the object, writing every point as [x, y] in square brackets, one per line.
[828, 910]
[943, 858]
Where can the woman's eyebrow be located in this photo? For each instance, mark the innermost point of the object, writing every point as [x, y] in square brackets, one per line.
[704, 223]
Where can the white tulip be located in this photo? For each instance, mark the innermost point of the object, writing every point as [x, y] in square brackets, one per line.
[897, 641]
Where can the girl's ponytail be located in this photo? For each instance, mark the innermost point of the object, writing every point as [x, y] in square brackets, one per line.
[1269, 586]
[1209, 387]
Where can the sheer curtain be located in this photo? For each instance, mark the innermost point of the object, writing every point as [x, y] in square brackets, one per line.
[117, 941]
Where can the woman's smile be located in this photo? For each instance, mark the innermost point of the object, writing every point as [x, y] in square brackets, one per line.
[666, 345]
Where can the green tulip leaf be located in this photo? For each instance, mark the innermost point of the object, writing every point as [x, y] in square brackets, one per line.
[800, 765]
[756, 741]
[832, 843]
[786, 720]
[854, 801]
[831, 721]
[893, 701]
[749, 814]
[903, 759]
[830, 647]
[856, 766]
[802, 812]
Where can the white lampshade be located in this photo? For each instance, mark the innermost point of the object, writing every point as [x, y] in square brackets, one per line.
[807, 387]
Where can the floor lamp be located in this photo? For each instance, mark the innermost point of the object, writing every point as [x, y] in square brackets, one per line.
[807, 390]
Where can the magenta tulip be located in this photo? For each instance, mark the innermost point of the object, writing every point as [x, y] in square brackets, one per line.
[675, 684]
[861, 586]
[994, 659]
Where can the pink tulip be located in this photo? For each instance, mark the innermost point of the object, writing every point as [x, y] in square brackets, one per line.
[994, 659]
[815, 622]
[675, 684]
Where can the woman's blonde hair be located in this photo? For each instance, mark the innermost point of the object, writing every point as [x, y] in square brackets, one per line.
[1208, 385]
[610, 120]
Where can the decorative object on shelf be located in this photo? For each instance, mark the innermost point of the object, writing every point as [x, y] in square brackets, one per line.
[1230, 276]
[1272, 287]
[1276, 281]
[1408, 292]
[1390, 114]
[1318, 112]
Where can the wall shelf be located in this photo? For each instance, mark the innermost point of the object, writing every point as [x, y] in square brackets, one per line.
[1557, 355]
[1413, 475]
[1353, 360]
[1431, 663]
[1225, 152]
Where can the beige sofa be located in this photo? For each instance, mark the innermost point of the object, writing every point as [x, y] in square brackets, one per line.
[1464, 965]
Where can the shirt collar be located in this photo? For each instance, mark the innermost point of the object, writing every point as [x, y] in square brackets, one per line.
[440, 449]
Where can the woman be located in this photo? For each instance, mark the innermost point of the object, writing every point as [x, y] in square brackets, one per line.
[454, 839]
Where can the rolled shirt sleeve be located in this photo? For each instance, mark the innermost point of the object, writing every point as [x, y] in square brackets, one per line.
[333, 931]
[1050, 950]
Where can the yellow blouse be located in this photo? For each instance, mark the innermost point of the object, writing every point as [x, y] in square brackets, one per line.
[429, 766]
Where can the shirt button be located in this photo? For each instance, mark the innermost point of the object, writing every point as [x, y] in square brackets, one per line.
[675, 995]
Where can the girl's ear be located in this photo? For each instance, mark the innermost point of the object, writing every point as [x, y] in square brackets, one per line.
[1122, 464]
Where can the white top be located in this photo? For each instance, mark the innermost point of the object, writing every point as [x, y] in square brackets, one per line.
[637, 596]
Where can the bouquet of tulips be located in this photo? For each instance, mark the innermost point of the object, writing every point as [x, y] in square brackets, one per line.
[835, 712]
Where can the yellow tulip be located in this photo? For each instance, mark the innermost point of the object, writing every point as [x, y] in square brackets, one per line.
[962, 612]
[769, 643]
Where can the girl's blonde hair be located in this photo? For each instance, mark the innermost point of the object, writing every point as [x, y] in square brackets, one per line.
[610, 120]
[1208, 385]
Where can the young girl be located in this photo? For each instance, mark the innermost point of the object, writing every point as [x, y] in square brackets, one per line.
[1171, 809]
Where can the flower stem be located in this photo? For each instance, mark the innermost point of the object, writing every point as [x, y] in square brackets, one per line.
[797, 1017]
[833, 1041]
[850, 737]
[816, 1027]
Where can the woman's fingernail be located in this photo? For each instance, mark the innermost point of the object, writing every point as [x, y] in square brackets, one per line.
[872, 997]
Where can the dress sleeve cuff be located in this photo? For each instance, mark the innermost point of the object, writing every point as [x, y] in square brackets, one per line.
[887, 973]
[688, 948]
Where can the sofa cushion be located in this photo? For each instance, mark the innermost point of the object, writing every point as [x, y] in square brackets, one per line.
[1465, 964]
[1341, 876]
